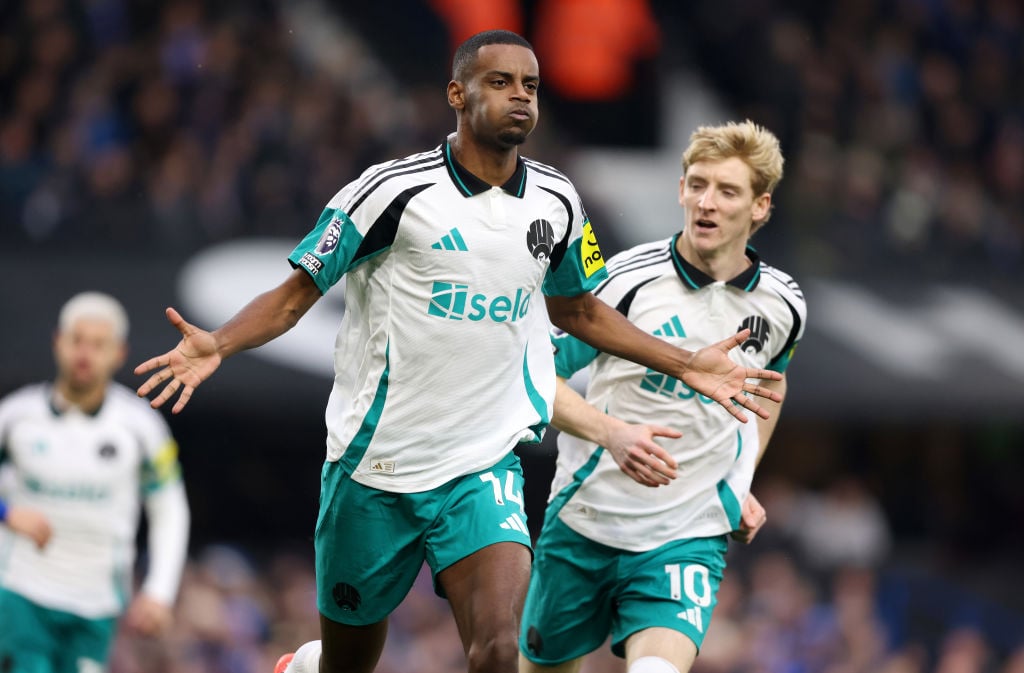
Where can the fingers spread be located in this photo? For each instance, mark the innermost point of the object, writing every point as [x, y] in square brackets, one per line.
[752, 406]
[763, 374]
[151, 364]
[186, 395]
[735, 410]
[766, 393]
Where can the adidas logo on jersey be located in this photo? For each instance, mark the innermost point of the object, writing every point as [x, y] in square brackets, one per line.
[694, 616]
[451, 241]
[515, 523]
[385, 466]
[672, 328]
[453, 301]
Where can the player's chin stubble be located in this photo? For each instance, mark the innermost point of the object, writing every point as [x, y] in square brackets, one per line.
[512, 137]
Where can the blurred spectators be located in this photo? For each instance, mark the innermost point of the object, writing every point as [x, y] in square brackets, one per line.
[903, 121]
[237, 615]
[169, 125]
[174, 124]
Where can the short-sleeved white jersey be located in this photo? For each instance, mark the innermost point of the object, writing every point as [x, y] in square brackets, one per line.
[656, 289]
[87, 473]
[443, 362]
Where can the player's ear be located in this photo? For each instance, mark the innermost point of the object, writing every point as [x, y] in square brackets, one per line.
[456, 95]
[761, 207]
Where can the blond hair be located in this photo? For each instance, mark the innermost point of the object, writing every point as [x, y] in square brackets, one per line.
[95, 305]
[755, 145]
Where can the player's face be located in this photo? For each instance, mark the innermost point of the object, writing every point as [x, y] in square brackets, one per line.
[88, 354]
[721, 206]
[499, 99]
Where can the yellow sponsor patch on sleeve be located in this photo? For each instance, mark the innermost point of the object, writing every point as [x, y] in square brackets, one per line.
[165, 463]
[590, 252]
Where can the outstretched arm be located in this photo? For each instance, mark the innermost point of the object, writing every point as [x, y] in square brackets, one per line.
[199, 353]
[709, 371]
[632, 446]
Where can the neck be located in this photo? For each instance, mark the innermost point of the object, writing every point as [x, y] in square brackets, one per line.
[719, 264]
[492, 164]
[87, 400]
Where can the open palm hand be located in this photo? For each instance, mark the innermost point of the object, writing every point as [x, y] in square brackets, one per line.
[712, 373]
[190, 363]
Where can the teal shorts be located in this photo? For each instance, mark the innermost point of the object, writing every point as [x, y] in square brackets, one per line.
[582, 591]
[34, 639]
[370, 544]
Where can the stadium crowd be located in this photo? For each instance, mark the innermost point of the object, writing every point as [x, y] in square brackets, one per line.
[175, 124]
[813, 594]
[165, 126]
[903, 120]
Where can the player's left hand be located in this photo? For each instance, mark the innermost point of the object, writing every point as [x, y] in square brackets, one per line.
[637, 454]
[148, 616]
[752, 518]
[713, 374]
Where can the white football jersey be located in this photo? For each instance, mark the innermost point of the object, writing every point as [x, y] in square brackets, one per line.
[87, 473]
[656, 289]
[443, 362]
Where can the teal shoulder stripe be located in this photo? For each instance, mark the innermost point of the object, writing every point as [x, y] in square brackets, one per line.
[572, 277]
[540, 405]
[571, 354]
[361, 441]
[328, 251]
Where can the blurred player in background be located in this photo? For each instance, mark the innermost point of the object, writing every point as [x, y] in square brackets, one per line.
[443, 364]
[616, 558]
[82, 451]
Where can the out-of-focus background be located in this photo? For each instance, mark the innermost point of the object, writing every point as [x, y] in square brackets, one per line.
[172, 152]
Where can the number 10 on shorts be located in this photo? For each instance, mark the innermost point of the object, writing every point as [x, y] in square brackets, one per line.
[693, 581]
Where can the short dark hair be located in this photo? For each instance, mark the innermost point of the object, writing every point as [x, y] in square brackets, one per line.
[465, 55]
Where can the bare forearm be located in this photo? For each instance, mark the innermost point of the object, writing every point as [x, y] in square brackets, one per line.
[268, 316]
[576, 416]
[598, 324]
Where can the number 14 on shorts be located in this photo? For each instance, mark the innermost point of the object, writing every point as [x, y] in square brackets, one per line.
[507, 494]
[511, 495]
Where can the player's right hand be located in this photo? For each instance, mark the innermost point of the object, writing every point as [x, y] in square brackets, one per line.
[752, 518]
[191, 362]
